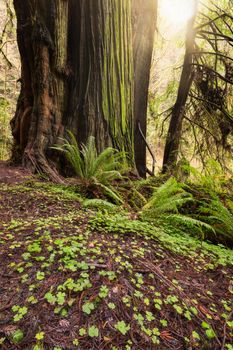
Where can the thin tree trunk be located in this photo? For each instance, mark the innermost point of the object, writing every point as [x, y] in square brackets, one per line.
[175, 127]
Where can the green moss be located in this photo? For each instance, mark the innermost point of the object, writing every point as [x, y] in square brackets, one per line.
[117, 79]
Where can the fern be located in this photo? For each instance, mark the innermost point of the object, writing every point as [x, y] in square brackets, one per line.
[212, 178]
[191, 223]
[167, 198]
[164, 205]
[72, 153]
[88, 165]
[111, 193]
[219, 217]
[89, 155]
[99, 204]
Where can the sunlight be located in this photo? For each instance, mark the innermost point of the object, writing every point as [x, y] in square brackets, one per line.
[177, 12]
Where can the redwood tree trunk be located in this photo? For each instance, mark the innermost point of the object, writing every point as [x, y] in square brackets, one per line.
[101, 97]
[78, 73]
[144, 25]
[42, 39]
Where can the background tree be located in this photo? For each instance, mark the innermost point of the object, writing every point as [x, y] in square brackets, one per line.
[202, 114]
[175, 126]
[9, 73]
[78, 73]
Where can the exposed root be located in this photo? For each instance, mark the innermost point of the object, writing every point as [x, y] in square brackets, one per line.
[37, 163]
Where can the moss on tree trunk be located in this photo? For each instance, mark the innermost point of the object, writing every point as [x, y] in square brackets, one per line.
[78, 73]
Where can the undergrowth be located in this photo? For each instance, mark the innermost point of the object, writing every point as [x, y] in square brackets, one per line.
[172, 238]
[86, 273]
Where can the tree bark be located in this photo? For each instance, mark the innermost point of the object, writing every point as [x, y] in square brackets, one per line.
[42, 39]
[175, 126]
[79, 74]
[102, 95]
[144, 25]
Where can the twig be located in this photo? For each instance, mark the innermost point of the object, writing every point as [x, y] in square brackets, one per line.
[225, 330]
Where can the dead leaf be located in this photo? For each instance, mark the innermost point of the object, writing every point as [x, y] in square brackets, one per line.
[64, 323]
[166, 336]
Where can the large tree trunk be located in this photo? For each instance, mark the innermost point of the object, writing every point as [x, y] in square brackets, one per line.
[175, 126]
[144, 25]
[101, 97]
[42, 39]
[78, 74]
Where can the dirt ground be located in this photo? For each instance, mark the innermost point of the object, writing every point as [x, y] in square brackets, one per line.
[67, 284]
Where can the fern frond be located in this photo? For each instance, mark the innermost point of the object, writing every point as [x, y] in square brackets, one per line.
[98, 204]
[89, 154]
[190, 222]
[72, 153]
[87, 164]
[103, 158]
[168, 198]
[107, 176]
[72, 139]
[112, 194]
[220, 218]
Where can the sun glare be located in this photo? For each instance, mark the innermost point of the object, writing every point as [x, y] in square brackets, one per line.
[177, 12]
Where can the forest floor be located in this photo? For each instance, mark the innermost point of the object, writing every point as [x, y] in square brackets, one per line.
[72, 279]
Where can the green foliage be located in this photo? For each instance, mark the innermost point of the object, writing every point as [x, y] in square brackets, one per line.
[212, 178]
[164, 206]
[98, 169]
[76, 247]
[99, 204]
[93, 331]
[40, 276]
[87, 164]
[166, 199]
[50, 298]
[103, 293]
[122, 327]
[191, 223]
[5, 138]
[119, 223]
[111, 193]
[167, 234]
[39, 336]
[20, 312]
[88, 307]
[219, 217]
[208, 330]
[17, 336]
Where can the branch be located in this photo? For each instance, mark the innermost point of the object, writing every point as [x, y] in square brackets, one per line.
[213, 104]
[212, 53]
[210, 21]
[213, 71]
[223, 36]
[6, 59]
[200, 126]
